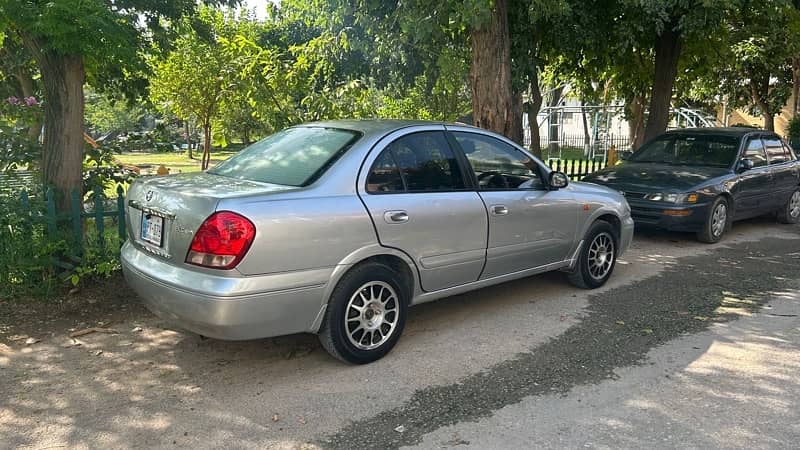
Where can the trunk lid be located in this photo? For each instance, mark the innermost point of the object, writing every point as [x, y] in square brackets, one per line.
[163, 213]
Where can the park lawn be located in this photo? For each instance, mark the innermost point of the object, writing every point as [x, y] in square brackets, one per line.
[176, 162]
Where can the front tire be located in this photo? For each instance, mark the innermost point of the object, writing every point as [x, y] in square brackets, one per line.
[365, 316]
[598, 257]
[790, 213]
[716, 223]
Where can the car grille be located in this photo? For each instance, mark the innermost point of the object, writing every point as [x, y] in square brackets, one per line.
[633, 195]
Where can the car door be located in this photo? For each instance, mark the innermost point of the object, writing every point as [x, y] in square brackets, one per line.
[422, 203]
[784, 172]
[529, 225]
[753, 188]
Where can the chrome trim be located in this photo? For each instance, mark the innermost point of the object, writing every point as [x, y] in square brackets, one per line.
[149, 210]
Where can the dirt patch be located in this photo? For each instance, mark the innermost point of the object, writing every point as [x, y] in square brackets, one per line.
[104, 303]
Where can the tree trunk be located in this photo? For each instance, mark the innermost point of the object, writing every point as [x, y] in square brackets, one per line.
[769, 120]
[587, 138]
[188, 131]
[668, 50]
[636, 122]
[516, 119]
[246, 137]
[758, 91]
[534, 105]
[206, 145]
[490, 74]
[62, 153]
[795, 86]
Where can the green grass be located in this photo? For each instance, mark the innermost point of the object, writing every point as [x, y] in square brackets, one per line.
[176, 162]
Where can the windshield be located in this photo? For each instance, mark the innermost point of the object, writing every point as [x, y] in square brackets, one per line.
[292, 157]
[697, 150]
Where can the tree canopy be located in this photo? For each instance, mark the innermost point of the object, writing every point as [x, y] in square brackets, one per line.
[218, 68]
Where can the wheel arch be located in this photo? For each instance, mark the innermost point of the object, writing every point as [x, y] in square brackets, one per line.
[395, 259]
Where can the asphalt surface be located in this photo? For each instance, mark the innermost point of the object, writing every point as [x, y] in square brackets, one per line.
[689, 345]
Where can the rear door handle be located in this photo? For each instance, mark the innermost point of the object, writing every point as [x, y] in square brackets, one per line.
[499, 210]
[395, 216]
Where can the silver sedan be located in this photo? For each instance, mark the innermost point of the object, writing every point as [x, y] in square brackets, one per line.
[337, 228]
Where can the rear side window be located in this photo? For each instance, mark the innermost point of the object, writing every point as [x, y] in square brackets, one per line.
[776, 152]
[790, 152]
[419, 162]
[385, 176]
[292, 157]
[755, 153]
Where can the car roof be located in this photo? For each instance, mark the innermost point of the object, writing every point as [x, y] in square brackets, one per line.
[373, 126]
[720, 131]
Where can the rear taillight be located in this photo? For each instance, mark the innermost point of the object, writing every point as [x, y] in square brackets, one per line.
[221, 241]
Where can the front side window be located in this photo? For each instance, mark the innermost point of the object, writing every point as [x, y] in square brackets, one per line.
[292, 157]
[418, 162]
[776, 151]
[498, 165]
[755, 153]
[689, 150]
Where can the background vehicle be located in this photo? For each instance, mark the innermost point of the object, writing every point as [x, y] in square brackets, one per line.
[339, 227]
[704, 179]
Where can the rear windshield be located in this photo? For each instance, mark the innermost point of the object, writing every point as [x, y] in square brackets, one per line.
[688, 150]
[292, 157]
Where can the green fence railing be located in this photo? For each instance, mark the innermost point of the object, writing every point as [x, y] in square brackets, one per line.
[84, 218]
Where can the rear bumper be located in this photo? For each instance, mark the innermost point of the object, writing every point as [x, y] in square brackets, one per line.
[226, 307]
[669, 217]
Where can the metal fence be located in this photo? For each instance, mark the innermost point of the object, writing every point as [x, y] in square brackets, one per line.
[576, 146]
[576, 168]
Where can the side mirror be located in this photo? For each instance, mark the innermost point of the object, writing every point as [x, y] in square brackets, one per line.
[558, 180]
[623, 156]
[745, 164]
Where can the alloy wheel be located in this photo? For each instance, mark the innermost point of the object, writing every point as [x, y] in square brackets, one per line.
[794, 204]
[371, 315]
[601, 255]
[719, 219]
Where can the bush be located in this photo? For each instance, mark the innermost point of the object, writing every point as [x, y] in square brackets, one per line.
[37, 263]
[794, 132]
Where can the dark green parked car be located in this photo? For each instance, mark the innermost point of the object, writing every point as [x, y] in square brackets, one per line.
[704, 179]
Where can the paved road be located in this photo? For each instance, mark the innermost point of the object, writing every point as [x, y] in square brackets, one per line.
[689, 346]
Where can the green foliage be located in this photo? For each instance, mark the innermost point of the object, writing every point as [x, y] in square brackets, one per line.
[794, 132]
[18, 150]
[105, 114]
[27, 253]
[750, 59]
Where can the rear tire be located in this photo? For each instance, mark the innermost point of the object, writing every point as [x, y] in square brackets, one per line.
[717, 222]
[597, 258]
[790, 212]
[366, 314]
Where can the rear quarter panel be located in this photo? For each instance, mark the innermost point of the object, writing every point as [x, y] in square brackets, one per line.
[302, 232]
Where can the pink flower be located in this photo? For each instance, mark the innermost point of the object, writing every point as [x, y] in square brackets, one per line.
[31, 101]
[13, 100]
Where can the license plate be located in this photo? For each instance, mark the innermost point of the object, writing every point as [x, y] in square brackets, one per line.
[152, 227]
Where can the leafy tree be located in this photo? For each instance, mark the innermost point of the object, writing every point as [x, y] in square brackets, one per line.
[105, 113]
[195, 75]
[765, 36]
[74, 41]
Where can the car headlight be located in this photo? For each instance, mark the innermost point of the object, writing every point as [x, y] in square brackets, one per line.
[672, 198]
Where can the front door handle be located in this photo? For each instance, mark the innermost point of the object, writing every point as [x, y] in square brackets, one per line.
[395, 216]
[499, 210]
